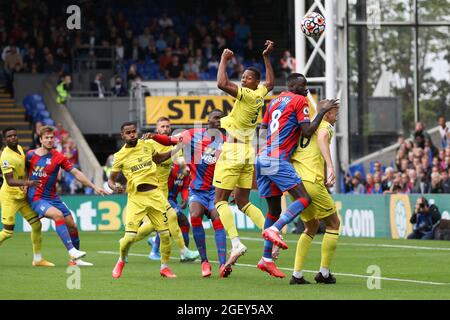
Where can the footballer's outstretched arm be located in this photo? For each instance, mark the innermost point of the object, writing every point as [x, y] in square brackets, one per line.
[323, 140]
[223, 83]
[161, 157]
[270, 76]
[162, 139]
[85, 182]
[326, 105]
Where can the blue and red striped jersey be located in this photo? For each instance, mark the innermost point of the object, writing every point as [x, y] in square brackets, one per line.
[178, 183]
[283, 118]
[45, 169]
[201, 151]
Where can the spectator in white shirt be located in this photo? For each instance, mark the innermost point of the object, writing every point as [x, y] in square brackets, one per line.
[97, 86]
[165, 21]
[120, 50]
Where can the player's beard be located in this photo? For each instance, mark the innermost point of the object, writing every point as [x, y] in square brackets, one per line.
[132, 142]
[304, 92]
[13, 145]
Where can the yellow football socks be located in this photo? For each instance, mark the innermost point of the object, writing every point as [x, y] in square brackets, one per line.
[174, 228]
[254, 214]
[36, 236]
[125, 244]
[164, 246]
[227, 218]
[329, 243]
[303, 245]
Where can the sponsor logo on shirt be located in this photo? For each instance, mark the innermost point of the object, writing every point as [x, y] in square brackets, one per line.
[209, 156]
[141, 166]
[38, 171]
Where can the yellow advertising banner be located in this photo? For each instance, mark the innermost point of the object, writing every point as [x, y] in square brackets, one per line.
[186, 110]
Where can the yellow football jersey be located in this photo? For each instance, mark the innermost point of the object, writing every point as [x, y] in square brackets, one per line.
[308, 161]
[13, 162]
[136, 165]
[162, 169]
[241, 122]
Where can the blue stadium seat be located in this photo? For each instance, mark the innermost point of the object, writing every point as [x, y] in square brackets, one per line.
[48, 122]
[148, 62]
[342, 182]
[41, 115]
[140, 68]
[27, 104]
[212, 72]
[36, 110]
[146, 75]
[37, 98]
[205, 76]
[357, 167]
[27, 99]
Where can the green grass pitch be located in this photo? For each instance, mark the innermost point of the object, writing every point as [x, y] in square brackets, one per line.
[409, 270]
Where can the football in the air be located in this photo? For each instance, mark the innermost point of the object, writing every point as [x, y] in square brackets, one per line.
[313, 24]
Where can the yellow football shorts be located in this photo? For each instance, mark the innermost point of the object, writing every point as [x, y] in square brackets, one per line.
[165, 190]
[322, 204]
[167, 206]
[149, 204]
[235, 166]
[11, 206]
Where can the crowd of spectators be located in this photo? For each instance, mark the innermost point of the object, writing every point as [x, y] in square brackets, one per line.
[419, 167]
[167, 45]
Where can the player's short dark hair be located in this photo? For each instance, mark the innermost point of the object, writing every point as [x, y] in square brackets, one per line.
[162, 119]
[46, 129]
[4, 131]
[294, 77]
[441, 116]
[128, 123]
[255, 71]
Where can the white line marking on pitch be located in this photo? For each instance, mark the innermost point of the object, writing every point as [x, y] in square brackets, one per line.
[379, 245]
[357, 244]
[309, 271]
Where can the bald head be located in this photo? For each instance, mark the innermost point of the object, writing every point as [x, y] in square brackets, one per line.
[214, 119]
[297, 83]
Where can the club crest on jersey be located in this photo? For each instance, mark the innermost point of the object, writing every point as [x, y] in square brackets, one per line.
[306, 111]
[48, 162]
[5, 164]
